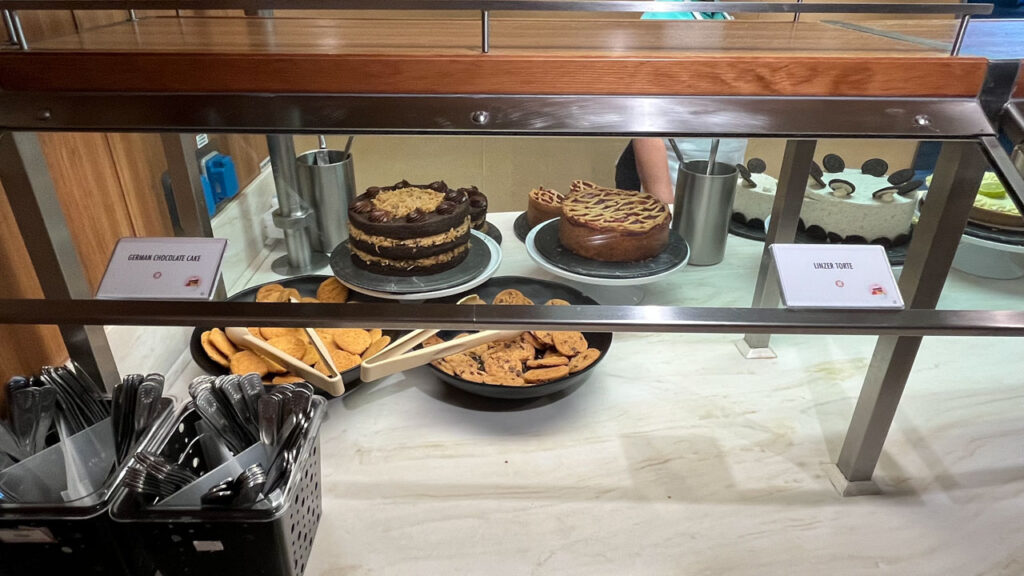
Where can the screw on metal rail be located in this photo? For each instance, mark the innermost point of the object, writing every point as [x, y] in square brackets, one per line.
[44, 114]
[480, 117]
[922, 120]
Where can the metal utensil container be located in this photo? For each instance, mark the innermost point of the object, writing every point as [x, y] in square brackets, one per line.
[74, 537]
[703, 207]
[327, 189]
[177, 541]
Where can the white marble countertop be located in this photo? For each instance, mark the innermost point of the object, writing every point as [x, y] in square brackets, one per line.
[680, 457]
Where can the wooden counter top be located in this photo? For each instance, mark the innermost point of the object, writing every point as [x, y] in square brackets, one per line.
[528, 56]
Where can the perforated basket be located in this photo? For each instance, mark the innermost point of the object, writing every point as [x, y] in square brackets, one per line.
[73, 537]
[181, 541]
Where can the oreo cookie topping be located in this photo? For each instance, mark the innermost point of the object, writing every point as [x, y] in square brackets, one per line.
[901, 176]
[909, 187]
[817, 174]
[833, 163]
[885, 194]
[841, 188]
[756, 166]
[745, 175]
[875, 167]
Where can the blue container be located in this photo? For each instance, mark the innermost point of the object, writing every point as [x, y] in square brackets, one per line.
[223, 179]
[211, 202]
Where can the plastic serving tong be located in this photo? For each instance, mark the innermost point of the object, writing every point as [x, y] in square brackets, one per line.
[332, 383]
[396, 357]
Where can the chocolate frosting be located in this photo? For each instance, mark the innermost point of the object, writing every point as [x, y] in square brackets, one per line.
[381, 223]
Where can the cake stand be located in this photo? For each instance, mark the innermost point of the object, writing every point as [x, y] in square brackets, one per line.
[990, 253]
[521, 227]
[482, 263]
[608, 283]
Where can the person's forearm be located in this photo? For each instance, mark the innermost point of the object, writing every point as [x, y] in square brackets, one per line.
[652, 166]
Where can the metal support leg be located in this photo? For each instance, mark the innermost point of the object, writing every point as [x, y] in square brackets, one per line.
[187, 187]
[789, 198]
[958, 174]
[961, 33]
[40, 219]
[12, 35]
[19, 32]
[291, 216]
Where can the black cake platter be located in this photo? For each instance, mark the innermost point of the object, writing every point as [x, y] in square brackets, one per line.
[622, 280]
[480, 264]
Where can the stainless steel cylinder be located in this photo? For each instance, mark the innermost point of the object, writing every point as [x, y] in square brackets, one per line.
[703, 207]
[328, 189]
[293, 215]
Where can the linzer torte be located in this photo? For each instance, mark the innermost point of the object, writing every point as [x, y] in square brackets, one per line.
[841, 204]
[409, 229]
[613, 225]
[544, 204]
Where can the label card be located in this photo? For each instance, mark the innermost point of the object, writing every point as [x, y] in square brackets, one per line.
[836, 276]
[163, 268]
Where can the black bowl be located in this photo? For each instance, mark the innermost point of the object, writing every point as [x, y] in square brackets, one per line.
[306, 285]
[539, 291]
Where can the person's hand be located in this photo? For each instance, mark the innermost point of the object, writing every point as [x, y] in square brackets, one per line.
[652, 166]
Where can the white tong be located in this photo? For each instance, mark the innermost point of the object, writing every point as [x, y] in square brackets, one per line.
[332, 383]
[395, 358]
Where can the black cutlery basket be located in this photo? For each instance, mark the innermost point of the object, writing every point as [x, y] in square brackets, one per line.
[73, 537]
[187, 541]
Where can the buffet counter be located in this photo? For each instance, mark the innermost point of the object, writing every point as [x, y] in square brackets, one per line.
[679, 456]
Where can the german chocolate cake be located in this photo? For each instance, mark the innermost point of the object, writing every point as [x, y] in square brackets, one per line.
[477, 207]
[409, 229]
[613, 225]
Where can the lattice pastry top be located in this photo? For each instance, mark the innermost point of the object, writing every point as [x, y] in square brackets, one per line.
[546, 197]
[610, 209]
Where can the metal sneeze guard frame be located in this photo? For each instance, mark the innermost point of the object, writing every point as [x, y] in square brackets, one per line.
[969, 148]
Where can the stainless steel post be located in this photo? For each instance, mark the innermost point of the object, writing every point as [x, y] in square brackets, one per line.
[40, 219]
[485, 31]
[789, 199]
[958, 174]
[12, 35]
[187, 189]
[19, 32]
[132, 17]
[292, 217]
[961, 32]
